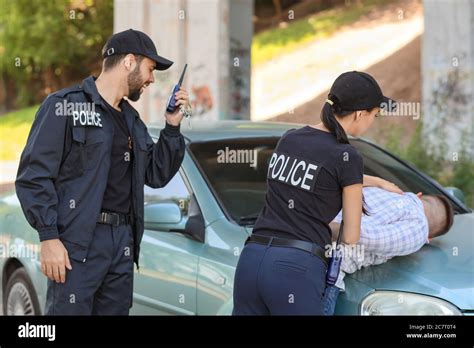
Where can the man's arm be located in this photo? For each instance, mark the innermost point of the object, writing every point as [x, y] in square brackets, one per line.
[375, 181]
[164, 157]
[39, 167]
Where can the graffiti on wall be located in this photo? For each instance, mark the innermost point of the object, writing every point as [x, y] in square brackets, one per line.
[239, 80]
[201, 100]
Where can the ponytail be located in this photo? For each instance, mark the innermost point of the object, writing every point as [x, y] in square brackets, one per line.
[328, 116]
[330, 109]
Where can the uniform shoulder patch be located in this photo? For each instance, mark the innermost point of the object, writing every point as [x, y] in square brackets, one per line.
[65, 91]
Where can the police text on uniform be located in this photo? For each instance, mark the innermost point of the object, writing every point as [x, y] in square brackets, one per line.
[83, 113]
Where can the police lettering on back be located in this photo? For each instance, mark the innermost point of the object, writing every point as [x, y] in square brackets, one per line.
[293, 171]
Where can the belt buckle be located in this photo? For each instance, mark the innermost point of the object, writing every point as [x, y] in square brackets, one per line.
[117, 216]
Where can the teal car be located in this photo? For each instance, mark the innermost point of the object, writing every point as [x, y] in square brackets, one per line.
[196, 226]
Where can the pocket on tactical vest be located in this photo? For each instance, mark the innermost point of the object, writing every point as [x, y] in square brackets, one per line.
[92, 147]
[73, 164]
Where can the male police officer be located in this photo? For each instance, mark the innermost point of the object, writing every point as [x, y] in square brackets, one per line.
[81, 177]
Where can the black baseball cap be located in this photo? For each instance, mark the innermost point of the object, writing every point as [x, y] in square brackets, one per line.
[355, 90]
[136, 42]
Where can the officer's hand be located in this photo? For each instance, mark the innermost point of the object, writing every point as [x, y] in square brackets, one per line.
[54, 260]
[182, 98]
[388, 186]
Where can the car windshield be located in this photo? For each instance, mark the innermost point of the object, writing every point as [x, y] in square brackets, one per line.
[236, 170]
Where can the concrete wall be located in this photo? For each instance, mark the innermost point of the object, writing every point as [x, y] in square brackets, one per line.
[448, 73]
[212, 36]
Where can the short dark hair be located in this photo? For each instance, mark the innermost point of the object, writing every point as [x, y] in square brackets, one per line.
[111, 61]
[449, 214]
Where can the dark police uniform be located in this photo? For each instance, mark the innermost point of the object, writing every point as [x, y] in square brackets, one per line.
[74, 184]
[282, 268]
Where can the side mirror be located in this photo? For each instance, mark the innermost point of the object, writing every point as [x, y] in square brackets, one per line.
[456, 193]
[167, 217]
[162, 213]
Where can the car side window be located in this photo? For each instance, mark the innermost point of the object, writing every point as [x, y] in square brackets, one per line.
[378, 163]
[175, 191]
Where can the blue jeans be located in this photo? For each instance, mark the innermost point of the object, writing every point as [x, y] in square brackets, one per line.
[273, 280]
[329, 300]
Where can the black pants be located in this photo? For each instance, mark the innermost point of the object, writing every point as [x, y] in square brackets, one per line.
[272, 280]
[103, 283]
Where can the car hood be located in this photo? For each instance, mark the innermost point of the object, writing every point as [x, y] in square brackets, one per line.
[443, 268]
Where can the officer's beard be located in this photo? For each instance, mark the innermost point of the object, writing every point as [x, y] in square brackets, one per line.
[134, 84]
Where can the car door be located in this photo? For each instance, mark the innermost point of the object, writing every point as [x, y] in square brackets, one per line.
[166, 280]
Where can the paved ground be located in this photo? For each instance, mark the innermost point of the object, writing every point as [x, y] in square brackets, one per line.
[292, 80]
[400, 78]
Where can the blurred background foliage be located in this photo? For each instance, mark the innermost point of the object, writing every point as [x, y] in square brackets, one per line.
[313, 20]
[45, 45]
[456, 169]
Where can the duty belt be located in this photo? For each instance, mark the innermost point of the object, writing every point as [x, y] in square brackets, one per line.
[114, 219]
[311, 248]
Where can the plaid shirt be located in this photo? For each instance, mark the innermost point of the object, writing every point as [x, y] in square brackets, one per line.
[396, 226]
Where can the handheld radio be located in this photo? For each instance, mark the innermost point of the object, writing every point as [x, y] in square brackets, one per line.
[171, 105]
[335, 261]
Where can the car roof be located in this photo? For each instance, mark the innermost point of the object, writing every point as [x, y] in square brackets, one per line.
[204, 130]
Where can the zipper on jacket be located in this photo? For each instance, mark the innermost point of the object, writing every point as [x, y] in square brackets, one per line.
[134, 182]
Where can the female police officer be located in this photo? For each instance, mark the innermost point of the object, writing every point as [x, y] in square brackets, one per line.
[313, 172]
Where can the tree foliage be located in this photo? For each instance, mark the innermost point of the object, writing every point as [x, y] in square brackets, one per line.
[46, 45]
